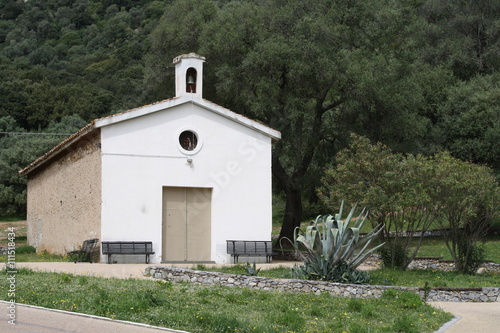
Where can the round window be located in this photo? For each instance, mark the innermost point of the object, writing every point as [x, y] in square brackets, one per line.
[188, 140]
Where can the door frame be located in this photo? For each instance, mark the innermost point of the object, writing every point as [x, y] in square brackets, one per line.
[191, 224]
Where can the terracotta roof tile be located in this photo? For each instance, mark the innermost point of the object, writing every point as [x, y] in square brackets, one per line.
[58, 148]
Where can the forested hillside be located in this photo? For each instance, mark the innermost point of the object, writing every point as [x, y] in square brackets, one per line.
[62, 64]
[418, 75]
[72, 57]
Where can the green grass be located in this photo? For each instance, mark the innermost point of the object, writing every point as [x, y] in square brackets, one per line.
[36, 257]
[436, 247]
[418, 278]
[20, 230]
[194, 308]
[11, 218]
[492, 247]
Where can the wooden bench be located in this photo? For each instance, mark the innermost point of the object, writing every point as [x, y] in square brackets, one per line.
[250, 249]
[111, 248]
[85, 253]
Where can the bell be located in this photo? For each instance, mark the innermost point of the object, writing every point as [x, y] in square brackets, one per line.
[190, 80]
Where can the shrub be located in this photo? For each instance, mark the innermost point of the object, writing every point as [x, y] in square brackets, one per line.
[395, 256]
[25, 249]
[468, 197]
[396, 188]
[470, 257]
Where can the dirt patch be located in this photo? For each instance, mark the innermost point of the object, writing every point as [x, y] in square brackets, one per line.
[20, 231]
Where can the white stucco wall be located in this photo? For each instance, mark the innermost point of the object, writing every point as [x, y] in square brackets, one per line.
[141, 156]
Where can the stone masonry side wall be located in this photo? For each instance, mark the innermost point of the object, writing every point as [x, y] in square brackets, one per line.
[64, 199]
[335, 289]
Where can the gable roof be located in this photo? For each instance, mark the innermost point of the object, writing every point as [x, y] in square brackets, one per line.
[172, 102]
[96, 124]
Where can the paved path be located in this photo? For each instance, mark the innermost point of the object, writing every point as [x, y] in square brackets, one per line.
[32, 319]
[473, 317]
[121, 271]
[470, 317]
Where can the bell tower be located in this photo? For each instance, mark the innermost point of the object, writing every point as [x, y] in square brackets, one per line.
[189, 75]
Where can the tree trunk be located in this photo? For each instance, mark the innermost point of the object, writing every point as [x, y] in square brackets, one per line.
[292, 218]
[291, 179]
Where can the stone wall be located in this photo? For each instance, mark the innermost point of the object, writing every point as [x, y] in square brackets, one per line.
[64, 199]
[335, 289]
[434, 263]
[448, 265]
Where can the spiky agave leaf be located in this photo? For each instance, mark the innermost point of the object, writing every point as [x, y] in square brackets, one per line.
[366, 241]
[360, 220]
[331, 243]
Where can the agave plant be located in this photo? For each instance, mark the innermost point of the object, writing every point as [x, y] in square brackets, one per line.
[252, 270]
[331, 245]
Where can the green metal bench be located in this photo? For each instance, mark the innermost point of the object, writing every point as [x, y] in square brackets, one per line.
[110, 248]
[250, 249]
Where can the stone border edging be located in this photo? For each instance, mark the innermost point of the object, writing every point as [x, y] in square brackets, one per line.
[175, 274]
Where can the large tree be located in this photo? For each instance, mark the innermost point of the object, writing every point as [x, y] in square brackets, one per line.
[464, 34]
[311, 69]
[470, 120]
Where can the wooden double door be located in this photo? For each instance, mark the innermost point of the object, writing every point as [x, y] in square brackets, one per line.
[186, 224]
